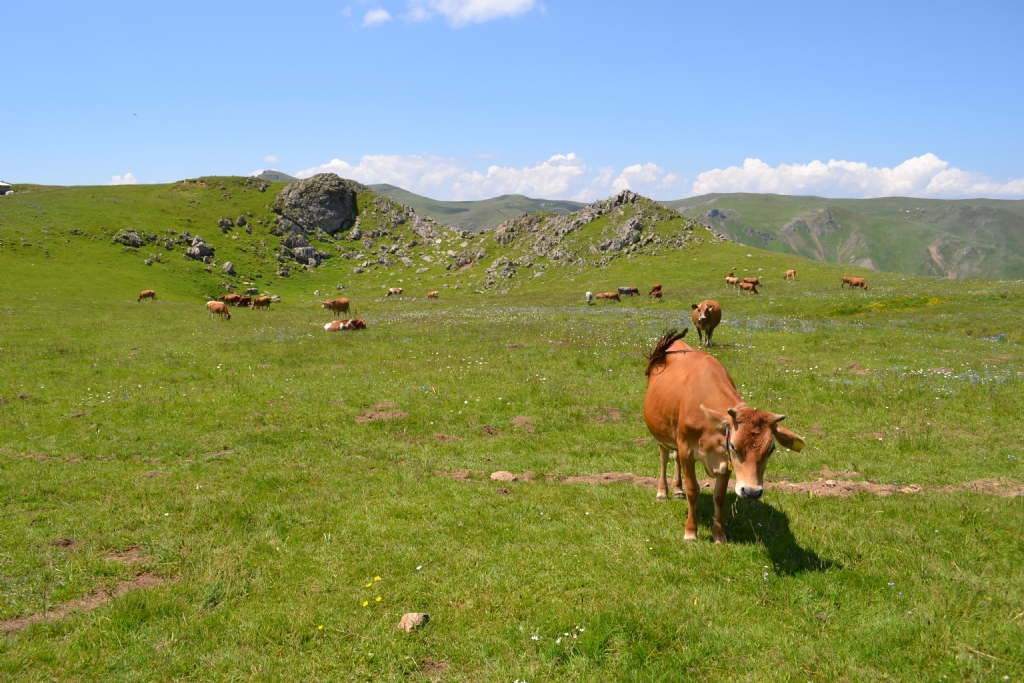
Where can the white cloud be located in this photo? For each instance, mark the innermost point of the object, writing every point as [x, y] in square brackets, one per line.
[923, 176]
[271, 159]
[126, 179]
[376, 16]
[636, 177]
[411, 172]
[464, 12]
[552, 178]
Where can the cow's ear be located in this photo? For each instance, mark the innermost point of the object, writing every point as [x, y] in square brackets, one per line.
[693, 306]
[719, 421]
[793, 442]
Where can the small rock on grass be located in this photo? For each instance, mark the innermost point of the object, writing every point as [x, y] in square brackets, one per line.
[412, 621]
[502, 475]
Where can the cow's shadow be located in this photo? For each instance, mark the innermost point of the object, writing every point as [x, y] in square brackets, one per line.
[757, 522]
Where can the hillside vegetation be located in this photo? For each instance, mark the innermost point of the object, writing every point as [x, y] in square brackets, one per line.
[256, 499]
[947, 238]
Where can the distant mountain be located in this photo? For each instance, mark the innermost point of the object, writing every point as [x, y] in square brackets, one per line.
[276, 177]
[479, 215]
[947, 238]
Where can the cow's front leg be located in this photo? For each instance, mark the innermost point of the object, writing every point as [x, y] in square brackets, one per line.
[663, 480]
[692, 494]
[678, 483]
[721, 487]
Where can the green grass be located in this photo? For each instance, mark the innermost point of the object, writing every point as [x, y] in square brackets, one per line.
[273, 507]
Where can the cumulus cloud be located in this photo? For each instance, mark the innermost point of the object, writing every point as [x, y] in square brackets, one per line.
[464, 12]
[552, 178]
[271, 159]
[923, 176]
[376, 16]
[411, 172]
[126, 179]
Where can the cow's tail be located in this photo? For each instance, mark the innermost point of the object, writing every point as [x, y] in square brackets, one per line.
[656, 358]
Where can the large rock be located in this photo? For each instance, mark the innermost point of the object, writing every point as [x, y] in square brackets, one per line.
[325, 202]
[199, 250]
[128, 238]
[228, 268]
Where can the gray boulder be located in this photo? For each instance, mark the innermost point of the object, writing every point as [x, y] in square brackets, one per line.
[324, 202]
[199, 250]
[241, 221]
[228, 268]
[128, 238]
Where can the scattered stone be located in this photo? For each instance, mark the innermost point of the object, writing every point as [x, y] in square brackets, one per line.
[252, 291]
[357, 271]
[502, 475]
[316, 292]
[341, 287]
[275, 299]
[413, 620]
[228, 268]
[241, 221]
[128, 238]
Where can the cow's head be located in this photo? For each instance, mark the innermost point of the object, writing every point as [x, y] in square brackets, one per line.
[703, 308]
[752, 436]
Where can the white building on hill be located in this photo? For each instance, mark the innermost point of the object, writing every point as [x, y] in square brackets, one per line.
[5, 188]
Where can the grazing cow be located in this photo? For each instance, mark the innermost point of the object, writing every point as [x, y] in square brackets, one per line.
[656, 295]
[394, 291]
[243, 301]
[629, 291]
[846, 280]
[790, 275]
[753, 281]
[146, 294]
[590, 298]
[218, 308]
[730, 280]
[748, 287]
[692, 407]
[655, 288]
[340, 325]
[339, 305]
[731, 274]
[608, 295]
[706, 316]
[230, 299]
[260, 302]
[433, 295]
[858, 282]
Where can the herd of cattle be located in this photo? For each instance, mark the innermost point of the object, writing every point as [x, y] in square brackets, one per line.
[746, 284]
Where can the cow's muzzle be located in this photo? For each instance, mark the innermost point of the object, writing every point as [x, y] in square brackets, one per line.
[751, 492]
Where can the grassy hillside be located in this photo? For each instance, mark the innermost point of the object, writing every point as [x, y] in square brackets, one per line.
[276, 177]
[288, 494]
[953, 239]
[478, 215]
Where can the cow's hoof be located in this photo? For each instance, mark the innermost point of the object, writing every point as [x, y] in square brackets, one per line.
[679, 494]
[690, 536]
[662, 495]
[719, 540]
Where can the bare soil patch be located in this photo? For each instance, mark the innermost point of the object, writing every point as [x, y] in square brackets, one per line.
[376, 415]
[97, 598]
[444, 438]
[840, 488]
[784, 360]
[131, 555]
[514, 346]
[461, 474]
[432, 668]
[152, 473]
[74, 415]
[64, 543]
[525, 422]
[994, 487]
[609, 414]
[385, 404]
[489, 430]
[998, 359]
[642, 441]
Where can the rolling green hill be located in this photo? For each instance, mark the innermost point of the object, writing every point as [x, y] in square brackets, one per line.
[276, 177]
[946, 238]
[477, 215]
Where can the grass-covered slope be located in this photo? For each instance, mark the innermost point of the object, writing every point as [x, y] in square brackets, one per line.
[948, 238]
[476, 216]
[269, 473]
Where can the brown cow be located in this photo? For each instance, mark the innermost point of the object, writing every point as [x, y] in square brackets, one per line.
[230, 299]
[730, 280]
[351, 324]
[790, 275]
[608, 295]
[706, 316]
[260, 302]
[858, 282]
[433, 295]
[656, 295]
[146, 294]
[395, 291]
[692, 407]
[243, 301]
[748, 287]
[218, 308]
[339, 305]
[655, 288]
[753, 281]
[731, 274]
[846, 280]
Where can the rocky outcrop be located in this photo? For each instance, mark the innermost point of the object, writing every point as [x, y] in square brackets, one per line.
[324, 202]
[200, 250]
[228, 268]
[129, 238]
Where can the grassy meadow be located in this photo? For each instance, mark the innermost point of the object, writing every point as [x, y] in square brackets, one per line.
[291, 491]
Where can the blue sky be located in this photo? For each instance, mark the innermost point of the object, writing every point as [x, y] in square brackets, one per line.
[472, 98]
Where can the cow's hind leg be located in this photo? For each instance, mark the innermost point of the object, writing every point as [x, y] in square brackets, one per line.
[678, 482]
[721, 487]
[692, 494]
[663, 480]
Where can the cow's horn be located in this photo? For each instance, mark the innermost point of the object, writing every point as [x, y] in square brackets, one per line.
[779, 418]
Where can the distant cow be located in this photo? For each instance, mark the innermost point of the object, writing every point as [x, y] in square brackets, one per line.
[608, 295]
[846, 280]
[218, 308]
[433, 295]
[146, 294]
[589, 297]
[339, 305]
[230, 299]
[730, 280]
[260, 302]
[753, 281]
[341, 325]
[394, 291]
[655, 288]
[858, 282]
[656, 295]
[243, 301]
[731, 274]
[790, 275]
[706, 316]
[629, 291]
[748, 287]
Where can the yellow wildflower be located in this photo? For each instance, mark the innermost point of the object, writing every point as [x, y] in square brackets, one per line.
[379, 598]
[366, 603]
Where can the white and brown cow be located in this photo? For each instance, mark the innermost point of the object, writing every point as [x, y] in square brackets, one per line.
[394, 291]
[218, 308]
[692, 407]
[343, 325]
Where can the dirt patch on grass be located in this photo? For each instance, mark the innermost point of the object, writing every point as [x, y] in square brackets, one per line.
[993, 487]
[783, 360]
[377, 415]
[133, 554]
[612, 478]
[64, 543]
[151, 474]
[462, 474]
[444, 438]
[384, 404]
[609, 414]
[97, 598]
[642, 441]
[432, 668]
[489, 430]
[515, 346]
[841, 488]
[998, 359]
[526, 423]
[75, 415]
